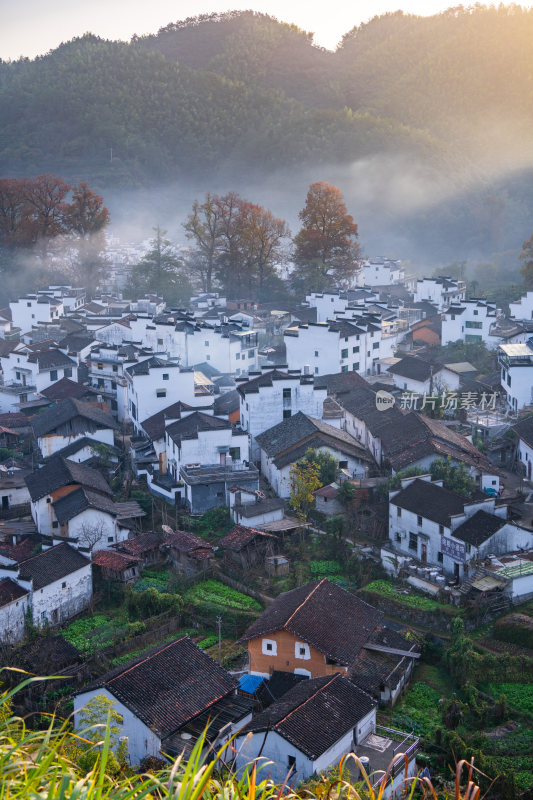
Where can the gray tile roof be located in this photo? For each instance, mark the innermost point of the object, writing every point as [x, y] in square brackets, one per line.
[53, 564]
[50, 419]
[59, 472]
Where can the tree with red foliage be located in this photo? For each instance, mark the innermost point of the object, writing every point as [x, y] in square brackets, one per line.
[84, 219]
[326, 245]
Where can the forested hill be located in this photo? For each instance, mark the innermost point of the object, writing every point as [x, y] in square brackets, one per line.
[241, 90]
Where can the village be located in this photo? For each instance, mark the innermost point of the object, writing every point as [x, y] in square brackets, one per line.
[303, 528]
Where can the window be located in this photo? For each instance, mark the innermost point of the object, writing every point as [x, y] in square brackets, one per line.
[53, 374]
[476, 313]
[161, 392]
[301, 650]
[160, 341]
[355, 366]
[345, 338]
[235, 453]
[133, 411]
[291, 762]
[355, 349]
[453, 316]
[316, 370]
[55, 524]
[441, 529]
[208, 358]
[48, 499]
[269, 647]
[109, 538]
[468, 548]
[344, 353]
[440, 557]
[238, 356]
[474, 324]
[100, 365]
[113, 385]
[398, 512]
[419, 520]
[251, 353]
[345, 368]
[165, 376]
[316, 353]
[64, 585]
[286, 393]
[114, 406]
[17, 375]
[206, 343]
[375, 345]
[398, 536]
[115, 368]
[28, 305]
[286, 413]
[413, 542]
[67, 372]
[470, 338]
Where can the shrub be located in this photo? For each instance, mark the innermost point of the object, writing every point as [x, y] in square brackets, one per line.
[209, 641]
[515, 628]
[388, 590]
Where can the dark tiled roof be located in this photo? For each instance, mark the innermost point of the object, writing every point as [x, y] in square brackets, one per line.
[77, 501]
[9, 590]
[332, 620]
[291, 431]
[188, 543]
[59, 472]
[52, 565]
[250, 510]
[266, 379]
[22, 550]
[80, 444]
[46, 654]
[240, 537]
[50, 359]
[227, 403]
[111, 559]
[478, 528]
[431, 501]
[315, 714]
[65, 388]
[154, 426]
[169, 685]
[143, 543]
[51, 418]
[417, 369]
[15, 419]
[524, 430]
[76, 342]
[154, 362]
[189, 426]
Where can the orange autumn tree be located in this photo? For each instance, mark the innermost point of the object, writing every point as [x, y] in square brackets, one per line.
[326, 248]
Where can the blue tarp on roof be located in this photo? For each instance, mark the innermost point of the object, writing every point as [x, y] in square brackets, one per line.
[249, 683]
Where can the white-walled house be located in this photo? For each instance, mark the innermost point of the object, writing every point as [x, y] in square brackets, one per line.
[32, 309]
[93, 520]
[200, 439]
[155, 383]
[469, 321]
[524, 432]
[413, 374]
[286, 443]
[329, 304]
[56, 479]
[14, 603]
[154, 427]
[516, 363]
[159, 694]
[339, 345]
[59, 582]
[441, 291]
[308, 730]
[522, 309]
[37, 370]
[439, 527]
[275, 395]
[71, 420]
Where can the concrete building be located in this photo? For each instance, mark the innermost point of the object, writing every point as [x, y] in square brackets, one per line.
[274, 395]
[441, 292]
[516, 363]
[469, 321]
[347, 346]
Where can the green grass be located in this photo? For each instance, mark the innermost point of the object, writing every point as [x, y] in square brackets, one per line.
[387, 589]
[218, 594]
[419, 711]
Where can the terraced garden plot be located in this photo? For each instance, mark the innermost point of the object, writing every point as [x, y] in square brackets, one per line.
[215, 593]
[92, 633]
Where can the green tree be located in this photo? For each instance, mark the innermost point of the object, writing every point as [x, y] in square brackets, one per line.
[327, 465]
[455, 477]
[304, 481]
[161, 271]
[526, 257]
[100, 712]
[326, 246]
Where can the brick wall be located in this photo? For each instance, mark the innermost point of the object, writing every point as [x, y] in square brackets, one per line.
[285, 658]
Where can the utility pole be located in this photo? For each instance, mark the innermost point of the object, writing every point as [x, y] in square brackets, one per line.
[219, 626]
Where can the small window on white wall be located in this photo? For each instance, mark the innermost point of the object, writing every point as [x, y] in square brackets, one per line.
[270, 647]
[301, 650]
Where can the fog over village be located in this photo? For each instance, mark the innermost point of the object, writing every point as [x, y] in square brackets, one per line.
[266, 402]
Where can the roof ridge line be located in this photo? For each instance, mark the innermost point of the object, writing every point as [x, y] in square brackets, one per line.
[319, 689]
[304, 602]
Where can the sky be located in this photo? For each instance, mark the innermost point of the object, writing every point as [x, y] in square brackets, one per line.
[32, 27]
